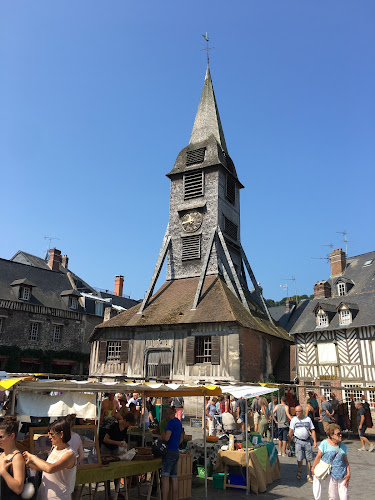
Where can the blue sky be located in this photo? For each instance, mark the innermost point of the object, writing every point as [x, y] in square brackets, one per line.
[97, 99]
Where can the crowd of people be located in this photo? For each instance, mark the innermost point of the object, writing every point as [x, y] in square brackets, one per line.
[298, 434]
[296, 429]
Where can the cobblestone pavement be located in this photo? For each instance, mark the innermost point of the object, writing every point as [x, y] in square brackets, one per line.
[362, 483]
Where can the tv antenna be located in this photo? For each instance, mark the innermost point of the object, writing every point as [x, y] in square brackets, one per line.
[285, 288]
[295, 286]
[330, 245]
[321, 258]
[345, 234]
[50, 238]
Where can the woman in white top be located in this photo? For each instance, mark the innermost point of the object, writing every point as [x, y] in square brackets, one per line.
[59, 470]
[75, 442]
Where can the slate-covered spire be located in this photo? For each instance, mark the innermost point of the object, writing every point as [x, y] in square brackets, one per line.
[207, 121]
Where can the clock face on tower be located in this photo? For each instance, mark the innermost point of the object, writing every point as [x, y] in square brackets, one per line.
[191, 221]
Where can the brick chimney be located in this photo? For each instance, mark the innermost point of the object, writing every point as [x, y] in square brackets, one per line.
[54, 259]
[119, 285]
[338, 261]
[322, 290]
[289, 303]
[64, 261]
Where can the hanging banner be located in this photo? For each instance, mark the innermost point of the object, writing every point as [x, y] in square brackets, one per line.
[39, 405]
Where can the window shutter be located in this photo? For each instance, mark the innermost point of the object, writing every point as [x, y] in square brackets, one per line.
[102, 356]
[215, 350]
[124, 353]
[190, 350]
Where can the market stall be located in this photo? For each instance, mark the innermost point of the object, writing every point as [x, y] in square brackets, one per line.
[263, 466]
[121, 469]
[69, 389]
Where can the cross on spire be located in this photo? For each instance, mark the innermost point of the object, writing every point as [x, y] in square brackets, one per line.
[207, 49]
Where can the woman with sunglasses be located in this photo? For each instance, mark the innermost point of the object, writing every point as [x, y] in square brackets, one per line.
[334, 452]
[12, 465]
[59, 470]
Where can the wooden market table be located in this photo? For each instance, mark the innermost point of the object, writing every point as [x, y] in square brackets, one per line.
[116, 470]
[261, 473]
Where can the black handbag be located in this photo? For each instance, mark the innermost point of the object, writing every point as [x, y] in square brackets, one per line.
[159, 448]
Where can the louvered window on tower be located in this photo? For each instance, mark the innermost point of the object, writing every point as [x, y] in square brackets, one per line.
[230, 228]
[231, 189]
[195, 156]
[191, 247]
[193, 185]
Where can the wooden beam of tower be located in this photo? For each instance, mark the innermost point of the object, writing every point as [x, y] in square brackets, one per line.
[159, 264]
[204, 271]
[228, 281]
[233, 271]
[256, 286]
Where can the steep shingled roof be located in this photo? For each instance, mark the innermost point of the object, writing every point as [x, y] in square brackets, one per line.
[207, 120]
[171, 305]
[361, 297]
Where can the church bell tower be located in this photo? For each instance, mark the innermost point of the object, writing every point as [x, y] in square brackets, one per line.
[203, 234]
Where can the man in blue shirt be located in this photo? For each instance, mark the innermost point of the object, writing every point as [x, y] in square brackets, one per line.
[173, 437]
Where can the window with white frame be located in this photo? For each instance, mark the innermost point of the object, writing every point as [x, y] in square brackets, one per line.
[99, 309]
[326, 390]
[56, 333]
[113, 351]
[25, 293]
[203, 349]
[341, 289]
[345, 317]
[34, 332]
[321, 318]
[73, 303]
[352, 391]
[371, 398]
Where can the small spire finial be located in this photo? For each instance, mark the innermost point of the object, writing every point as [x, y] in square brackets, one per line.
[207, 49]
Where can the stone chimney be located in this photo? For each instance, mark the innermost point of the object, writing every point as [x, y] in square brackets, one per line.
[54, 259]
[322, 290]
[107, 313]
[64, 261]
[289, 303]
[338, 261]
[119, 285]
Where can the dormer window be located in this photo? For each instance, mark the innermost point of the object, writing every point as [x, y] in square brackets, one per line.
[73, 303]
[25, 293]
[345, 317]
[99, 308]
[341, 289]
[321, 318]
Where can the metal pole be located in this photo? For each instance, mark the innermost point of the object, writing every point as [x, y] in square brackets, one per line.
[100, 411]
[205, 444]
[144, 419]
[247, 452]
[13, 401]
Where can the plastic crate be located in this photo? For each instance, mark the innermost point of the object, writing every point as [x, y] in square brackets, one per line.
[218, 481]
[201, 469]
[237, 479]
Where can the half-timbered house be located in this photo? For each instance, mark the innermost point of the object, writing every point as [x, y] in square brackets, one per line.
[204, 323]
[335, 332]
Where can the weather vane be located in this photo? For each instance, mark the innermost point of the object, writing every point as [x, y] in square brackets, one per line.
[207, 49]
